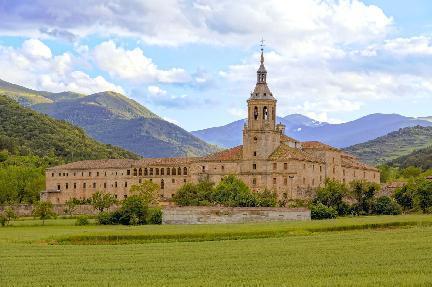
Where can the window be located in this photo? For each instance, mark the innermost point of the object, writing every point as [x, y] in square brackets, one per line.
[64, 174]
[151, 171]
[334, 170]
[173, 180]
[162, 186]
[115, 184]
[255, 139]
[140, 172]
[125, 183]
[222, 168]
[313, 167]
[157, 171]
[168, 171]
[162, 171]
[265, 113]
[74, 185]
[140, 180]
[115, 195]
[82, 173]
[343, 171]
[127, 172]
[320, 168]
[185, 170]
[254, 153]
[145, 172]
[254, 181]
[125, 196]
[105, 174]
[285, 166]
[52, 174]
[285, 181]
[173, 171]
[89, 173]
[135, 172]
[256, 113]
[94, 184]
[254, 166]
[84, 185]
[184, 180]
[274, 166]
[274, 180]
[333, 160]
[304, 180]
[67, 185]
[59, 174]
[104, 184]
[179, 171]
[203, 168]
[58, 186]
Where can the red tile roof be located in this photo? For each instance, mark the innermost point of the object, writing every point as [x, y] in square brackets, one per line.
[231, 154]
[317, 145]
[284, 152]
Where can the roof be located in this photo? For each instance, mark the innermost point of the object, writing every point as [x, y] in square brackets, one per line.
[284, 152]
[318, 146]
[285, 138]
[122, 163]
[231, 154]
[354, 163]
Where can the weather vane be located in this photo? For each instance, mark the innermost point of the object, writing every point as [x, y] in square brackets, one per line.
[262, 44]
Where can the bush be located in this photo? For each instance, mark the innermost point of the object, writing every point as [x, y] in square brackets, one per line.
[106, 218]
[266, 198]
[190, 194]
[233, 192]
[154, 216]
[320, 211]
[386, 206]
[82, 220]
[44, 210]
[133, 211]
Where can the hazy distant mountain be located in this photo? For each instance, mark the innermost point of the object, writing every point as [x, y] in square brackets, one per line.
[395, 144]
[420, 158]
[306, 129]
[231, 134]
[113, 119]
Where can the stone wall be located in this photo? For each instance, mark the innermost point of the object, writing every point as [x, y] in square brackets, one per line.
[27, 209]
[210, 215]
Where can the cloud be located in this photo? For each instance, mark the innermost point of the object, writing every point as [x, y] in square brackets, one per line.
[133, 65]
[33, 65]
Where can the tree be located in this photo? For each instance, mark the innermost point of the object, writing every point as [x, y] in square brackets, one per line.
[102, 200]
[320, 211]
[423, 196]
[405, 195]
[332, 195]
[44, 210]
[7, 215]
[387, 206]
[191, 194]
[147, 191]
[363, 192]
[410, 172]
[71, 206]
[231, 191]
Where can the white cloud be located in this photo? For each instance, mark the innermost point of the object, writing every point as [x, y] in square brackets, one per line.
[133, 65]
[155, 90]
[34, 66]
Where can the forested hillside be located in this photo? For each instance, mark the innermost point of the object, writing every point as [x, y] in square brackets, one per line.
[115, 119]
[30, 142]
[393, 145]
[420, 158]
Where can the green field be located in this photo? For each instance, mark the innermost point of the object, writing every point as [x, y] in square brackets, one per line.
[364, 251]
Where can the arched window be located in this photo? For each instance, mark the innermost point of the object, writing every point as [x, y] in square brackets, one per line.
[157, 171]
[256, 113]
[145, 172]
[162, 170]
[162, 184]
[168, 171]
[135, 172]
[173, 171]
[185, 171]
[179, 171]
[140, 172]
[265, 113]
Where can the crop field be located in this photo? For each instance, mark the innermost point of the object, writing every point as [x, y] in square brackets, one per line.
[362, 251]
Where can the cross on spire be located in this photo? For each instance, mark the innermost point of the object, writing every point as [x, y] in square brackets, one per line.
[262, 44]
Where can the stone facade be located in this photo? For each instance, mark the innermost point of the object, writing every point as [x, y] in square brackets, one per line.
[268, 159]
[210, 215]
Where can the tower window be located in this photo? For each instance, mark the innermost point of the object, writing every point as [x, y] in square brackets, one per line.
[185, 171]
[265, 113]
[254, 166]
[140, 172]
[254, 153]
[256, 113]
[254, 181]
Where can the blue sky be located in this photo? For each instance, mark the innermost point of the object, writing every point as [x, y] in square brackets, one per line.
[194, 62]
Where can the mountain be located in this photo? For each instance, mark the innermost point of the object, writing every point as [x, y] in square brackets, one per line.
[393, 145]
[420, 158]
[24, 131]
[113, 119]
[231, 134]
[337, 135]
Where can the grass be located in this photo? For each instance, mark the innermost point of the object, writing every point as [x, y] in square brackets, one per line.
[365, 251]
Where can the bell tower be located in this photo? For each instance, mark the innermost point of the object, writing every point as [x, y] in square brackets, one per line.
[261, 135]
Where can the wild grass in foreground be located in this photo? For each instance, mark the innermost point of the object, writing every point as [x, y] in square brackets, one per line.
[366, 257]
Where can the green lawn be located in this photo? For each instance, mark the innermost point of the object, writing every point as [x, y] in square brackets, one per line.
[394, 250]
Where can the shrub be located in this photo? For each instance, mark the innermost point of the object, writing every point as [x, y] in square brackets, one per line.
[386, 206]
[106, 218]
[267, 198]
[363, 192]
[7, 215]
[405, 195]
[320, 211]
[82, 220]
[133, 210]
[190, 194]
[332, 195]
[231, 191]
[44, 210]
[423, 196]
[154, 216]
